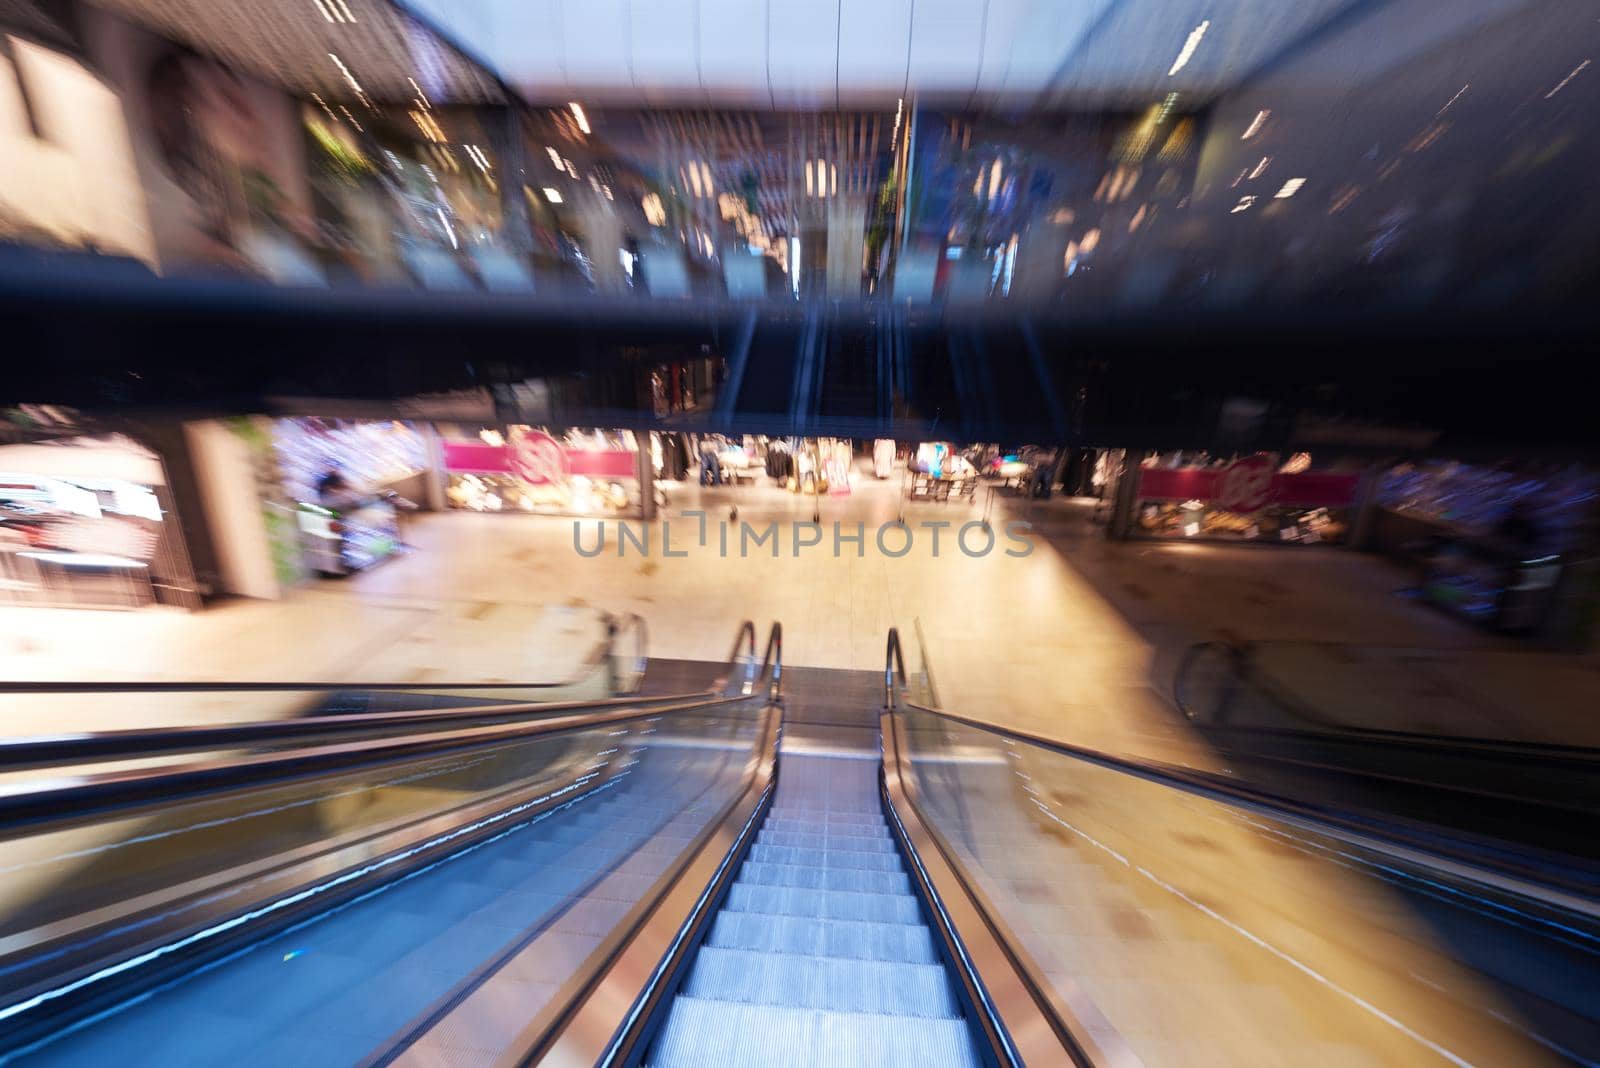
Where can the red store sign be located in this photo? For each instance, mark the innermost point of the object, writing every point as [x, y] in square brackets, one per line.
[1248, 485]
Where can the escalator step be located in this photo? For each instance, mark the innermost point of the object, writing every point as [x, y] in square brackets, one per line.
[894, 988]
[813, 813]
[781, 824]
[700, 1032]
[809, 937]
[822, 904]
[796, 840]
[847, 879]
[825, 858]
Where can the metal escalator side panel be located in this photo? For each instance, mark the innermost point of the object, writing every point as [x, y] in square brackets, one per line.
[1020, 1013]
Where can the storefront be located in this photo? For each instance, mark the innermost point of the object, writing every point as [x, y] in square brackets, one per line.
[1258, 498]
[1497, 545]
[536, 471]
[350, 482]
[85, 522]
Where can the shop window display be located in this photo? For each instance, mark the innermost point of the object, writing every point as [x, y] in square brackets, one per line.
[1492, 543]
[1256, 498]
[533, 470]
[70, 538]
[938, 473]
[348, 480]
[372, 455]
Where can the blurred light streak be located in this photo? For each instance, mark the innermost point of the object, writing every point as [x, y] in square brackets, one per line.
[1243, 205]
[577, 113]
[1255, 125]
[1260, 167]
[1290, 188]
[1563, 83]
[422, 98]
[1452, 100]
[1188, 47]
[552, 194]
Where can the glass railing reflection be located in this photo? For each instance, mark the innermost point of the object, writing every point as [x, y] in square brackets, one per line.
[1201, 932]
[547, 839]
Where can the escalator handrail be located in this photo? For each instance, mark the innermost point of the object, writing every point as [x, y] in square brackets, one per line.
[1021, 980]
[55, 801]
[1536, 877]
[769, 667]
[52, 801]
[105, 747]
[1237, 655]
[597, 655]
[39, 751]
[894, 669]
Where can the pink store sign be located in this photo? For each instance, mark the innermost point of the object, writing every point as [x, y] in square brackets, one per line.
[538, 459]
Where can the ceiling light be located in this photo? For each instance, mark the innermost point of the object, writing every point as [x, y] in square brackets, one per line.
[1243, 205]
[422, 98]
[555, 158]
[351, 78]
[577, 113]
[1189, 46]
[1260, 167]
[1452, 100]
[552, 194]
[655, 213]
[1255, 125]
[1290, 188]
[335, 11]
[1563, 83]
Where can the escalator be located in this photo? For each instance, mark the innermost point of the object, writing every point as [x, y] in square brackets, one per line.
[787, 866]
[820, 953]
[764, 385]
[1516, 793]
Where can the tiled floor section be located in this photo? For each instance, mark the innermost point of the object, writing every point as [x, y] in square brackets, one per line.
[1077, 640]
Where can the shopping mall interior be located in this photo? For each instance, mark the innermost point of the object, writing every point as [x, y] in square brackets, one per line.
[776, 532]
